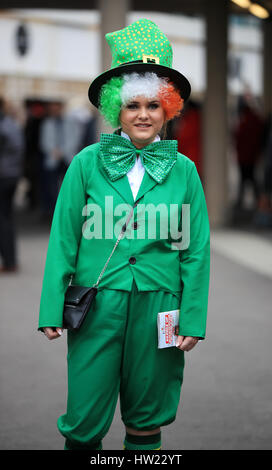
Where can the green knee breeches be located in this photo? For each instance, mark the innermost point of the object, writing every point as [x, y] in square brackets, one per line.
[116, 352]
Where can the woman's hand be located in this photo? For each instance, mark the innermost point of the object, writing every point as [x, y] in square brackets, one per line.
[52, 333]
[186, 343]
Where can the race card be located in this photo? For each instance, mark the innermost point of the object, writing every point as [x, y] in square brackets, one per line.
[167, 324]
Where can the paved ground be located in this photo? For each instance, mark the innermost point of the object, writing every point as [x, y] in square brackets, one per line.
[226, 396]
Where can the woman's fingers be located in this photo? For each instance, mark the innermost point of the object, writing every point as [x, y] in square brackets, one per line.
[191, 344]
[52, 333]
[179, 341]
[186, 343]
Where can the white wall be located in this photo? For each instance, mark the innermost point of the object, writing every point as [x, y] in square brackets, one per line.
[65, 45]
[55, 50]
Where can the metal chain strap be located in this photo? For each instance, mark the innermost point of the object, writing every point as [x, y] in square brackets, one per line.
[121, 234]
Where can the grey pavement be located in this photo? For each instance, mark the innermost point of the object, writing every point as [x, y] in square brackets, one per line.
[226, 396]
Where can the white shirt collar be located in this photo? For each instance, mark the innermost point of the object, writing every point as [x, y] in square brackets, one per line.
[123, 134]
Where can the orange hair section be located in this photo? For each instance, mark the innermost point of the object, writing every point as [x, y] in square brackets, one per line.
[171, 101]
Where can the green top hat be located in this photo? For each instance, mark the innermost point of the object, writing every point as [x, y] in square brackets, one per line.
[140, 47]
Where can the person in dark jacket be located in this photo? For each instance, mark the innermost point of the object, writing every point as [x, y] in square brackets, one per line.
[248, 142]
[11, 159]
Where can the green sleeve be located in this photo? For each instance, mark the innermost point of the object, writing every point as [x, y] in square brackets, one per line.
[195, 262]
[63, 244]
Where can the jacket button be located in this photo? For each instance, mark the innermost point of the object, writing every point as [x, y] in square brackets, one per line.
[132, 260]
[135, 225]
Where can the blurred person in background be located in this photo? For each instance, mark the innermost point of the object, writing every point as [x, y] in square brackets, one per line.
[32, 155]
[264, 215]
[89, 131]
[84, 117]
[248, 144]
[187, 131]
[11, 168]
[60, 136]
[267, 184]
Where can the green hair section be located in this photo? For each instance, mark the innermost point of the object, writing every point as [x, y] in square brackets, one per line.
[110, 101]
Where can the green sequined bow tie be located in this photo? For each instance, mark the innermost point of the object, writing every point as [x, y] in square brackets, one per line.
[118, 156]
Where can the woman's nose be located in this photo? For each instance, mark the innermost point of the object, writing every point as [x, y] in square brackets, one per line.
[143, 113]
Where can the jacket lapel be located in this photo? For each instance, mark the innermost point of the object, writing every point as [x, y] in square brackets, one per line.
[121, 185]
[146, 185]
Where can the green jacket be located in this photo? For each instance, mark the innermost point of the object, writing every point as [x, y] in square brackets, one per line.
[148, 259]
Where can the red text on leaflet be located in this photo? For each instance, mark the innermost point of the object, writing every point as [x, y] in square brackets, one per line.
[168, 328]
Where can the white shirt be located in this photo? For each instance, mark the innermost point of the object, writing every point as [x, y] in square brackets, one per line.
[136, 173]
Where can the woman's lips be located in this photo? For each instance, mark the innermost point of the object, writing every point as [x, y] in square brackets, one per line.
[143, 126]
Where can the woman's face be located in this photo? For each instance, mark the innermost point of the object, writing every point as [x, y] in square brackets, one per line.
[142, 119]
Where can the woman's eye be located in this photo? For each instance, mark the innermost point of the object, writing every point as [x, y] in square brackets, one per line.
[135, 106]
[132, 106]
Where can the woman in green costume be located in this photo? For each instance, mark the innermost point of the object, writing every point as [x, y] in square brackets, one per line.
[115, 352]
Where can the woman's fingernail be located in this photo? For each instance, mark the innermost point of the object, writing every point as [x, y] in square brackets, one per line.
[59, 331]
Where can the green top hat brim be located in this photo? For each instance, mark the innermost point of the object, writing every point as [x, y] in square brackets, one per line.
[181, 82]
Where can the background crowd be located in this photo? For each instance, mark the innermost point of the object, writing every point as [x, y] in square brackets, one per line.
[37, 146]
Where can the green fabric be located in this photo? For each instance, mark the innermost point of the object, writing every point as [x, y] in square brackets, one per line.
[141, 37]
[147, 442]
[115, 354]
[146, 439]
[131, 446]
[157, 265]
[76, 446]
[118, 155]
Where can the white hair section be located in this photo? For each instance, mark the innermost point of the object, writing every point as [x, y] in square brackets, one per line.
[135, 84]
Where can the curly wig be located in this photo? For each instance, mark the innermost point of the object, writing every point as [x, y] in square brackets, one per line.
[110, 100]
[118, 91]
